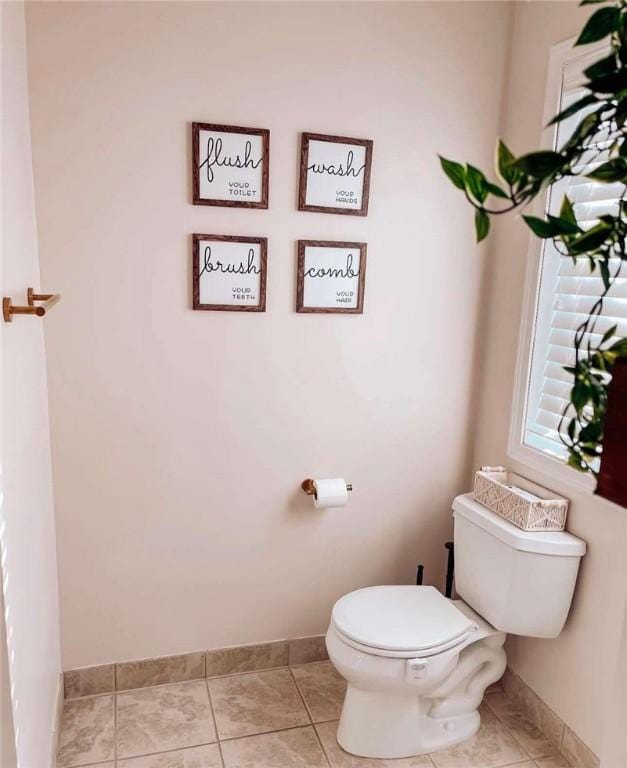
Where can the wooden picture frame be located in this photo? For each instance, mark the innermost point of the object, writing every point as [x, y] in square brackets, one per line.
[327, 160]
[337, 267]
[238, 286]
[230, 165]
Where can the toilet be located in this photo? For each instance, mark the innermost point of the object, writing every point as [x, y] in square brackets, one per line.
[417, 664]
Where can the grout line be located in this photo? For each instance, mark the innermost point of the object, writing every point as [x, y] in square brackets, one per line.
[300, 694]
[245, 672]
[115, 729]
[319, 740]
[313, 725]
[89, 696]
[161, 752]
[266, 733]
[215, 723]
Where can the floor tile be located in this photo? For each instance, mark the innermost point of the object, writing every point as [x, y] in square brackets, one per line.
[247, 658]
[295, 748]
[167, 717]
[86, 731]
[256, 703]
[528, 735]
[555, 761]
[340, 759]
[492, 746]
[167, 669]
[322, 688]
[207, 756]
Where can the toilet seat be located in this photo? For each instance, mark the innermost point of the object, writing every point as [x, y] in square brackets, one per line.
[400, 621]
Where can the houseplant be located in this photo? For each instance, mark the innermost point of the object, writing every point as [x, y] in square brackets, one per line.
[600, 136]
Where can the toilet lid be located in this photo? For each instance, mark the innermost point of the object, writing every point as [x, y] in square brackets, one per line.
[400, 618]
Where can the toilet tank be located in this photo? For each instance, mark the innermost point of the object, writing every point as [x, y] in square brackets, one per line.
[522, 582]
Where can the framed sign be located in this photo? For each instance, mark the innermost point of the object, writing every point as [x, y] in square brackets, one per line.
[230, 272]
[334, 174]
[230, 165]
[331, 276]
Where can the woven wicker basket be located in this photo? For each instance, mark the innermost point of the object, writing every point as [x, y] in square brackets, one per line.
[525, 504]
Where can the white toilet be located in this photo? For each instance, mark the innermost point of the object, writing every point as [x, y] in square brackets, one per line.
[417, 664]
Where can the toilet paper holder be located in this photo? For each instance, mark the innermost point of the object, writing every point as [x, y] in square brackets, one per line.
[310, 489]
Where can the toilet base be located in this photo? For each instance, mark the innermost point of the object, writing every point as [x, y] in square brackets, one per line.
[390, 712]
[386, 725]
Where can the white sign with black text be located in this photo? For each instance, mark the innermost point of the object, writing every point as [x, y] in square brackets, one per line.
[229, 272]
[230, 165]
[331, 277]
[335, 174]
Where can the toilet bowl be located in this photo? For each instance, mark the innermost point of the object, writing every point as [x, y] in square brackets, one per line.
[417, 663]
[416, 666]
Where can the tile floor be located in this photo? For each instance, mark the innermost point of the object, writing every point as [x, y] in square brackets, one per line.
[279, 718]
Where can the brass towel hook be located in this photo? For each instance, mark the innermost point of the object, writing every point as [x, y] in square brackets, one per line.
[33, 308]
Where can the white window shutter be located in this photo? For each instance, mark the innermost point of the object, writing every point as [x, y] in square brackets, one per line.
[568, 291]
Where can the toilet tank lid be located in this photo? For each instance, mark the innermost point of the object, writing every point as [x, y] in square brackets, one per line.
[542, 542]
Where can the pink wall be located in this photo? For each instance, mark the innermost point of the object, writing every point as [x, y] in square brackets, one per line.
[179, 437]
[575, 674]
[28, 564]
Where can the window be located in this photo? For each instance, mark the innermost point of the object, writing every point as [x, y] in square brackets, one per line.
[560, 294]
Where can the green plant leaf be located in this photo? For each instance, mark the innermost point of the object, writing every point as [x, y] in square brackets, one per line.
[504, 160]
[574, 108]
[591, 240]
[602, 67]
[579, 395]
[496, 190]
[599, 25]
[614, 83]
[563, 226]
[482, 224]
[591, 432]
[585, 129]
[455, 172]
[476, 183]
[567, 212]
[540, 227]
[540, 164]
[608, 334]
[605, 274]
[575, 462]
[621, 111]
[612, 171]
[593, 2]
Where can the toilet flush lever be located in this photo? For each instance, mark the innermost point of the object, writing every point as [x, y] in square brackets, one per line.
[416, 669]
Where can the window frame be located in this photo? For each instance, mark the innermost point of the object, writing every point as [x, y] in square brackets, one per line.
[560, 55]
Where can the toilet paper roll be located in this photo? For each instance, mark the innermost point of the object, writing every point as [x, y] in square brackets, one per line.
[330, 492]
